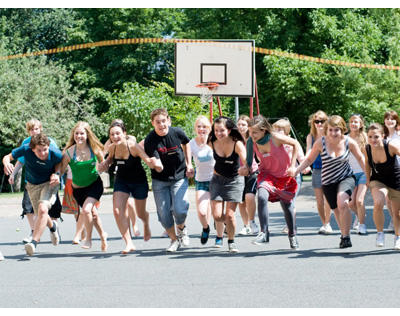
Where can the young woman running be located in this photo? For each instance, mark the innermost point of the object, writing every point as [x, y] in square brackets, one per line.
[383, 179]
[226, 186]
[337, 176]
[357, 132]
[248, 207]
[83, 152]
[275, 181]
[283, 127]
[391, 129]
[130, 179]
[317, 124]
[204, 162]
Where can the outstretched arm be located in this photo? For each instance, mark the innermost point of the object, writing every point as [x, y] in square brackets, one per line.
[8, 166]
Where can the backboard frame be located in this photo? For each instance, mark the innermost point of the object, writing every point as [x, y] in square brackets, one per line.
[224, 54]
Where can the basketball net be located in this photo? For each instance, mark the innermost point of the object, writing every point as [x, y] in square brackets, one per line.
[207, 90]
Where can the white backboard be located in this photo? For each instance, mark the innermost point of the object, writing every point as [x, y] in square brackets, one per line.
[230, 63]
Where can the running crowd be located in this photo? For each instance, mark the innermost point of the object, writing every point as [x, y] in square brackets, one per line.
[236, 164]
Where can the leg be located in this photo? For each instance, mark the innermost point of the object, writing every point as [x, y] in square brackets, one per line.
[217, 208]
[243, 213]
[41, 222]
[180, 208]
[319, 197]
[230, 219]
[203, 207]
[263, 213]
[396, 216]
[79, 229]
[121, 217]
[86, 214]
[344, 213]
[163, 203]
[144, 216]
[379, 196]
[361, 191]
[99, 227]
[290, 217]
[132, 216]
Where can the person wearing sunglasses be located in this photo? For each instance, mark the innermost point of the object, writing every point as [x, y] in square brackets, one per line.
[317, 122]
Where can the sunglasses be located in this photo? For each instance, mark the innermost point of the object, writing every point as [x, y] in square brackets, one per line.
[319, 121]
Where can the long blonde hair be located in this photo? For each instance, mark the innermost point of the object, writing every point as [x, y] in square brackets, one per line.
[93, 142]
[362, 136]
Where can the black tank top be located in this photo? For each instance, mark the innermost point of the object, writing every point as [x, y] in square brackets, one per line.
[227, 166]
[131, 169]
[387, 172]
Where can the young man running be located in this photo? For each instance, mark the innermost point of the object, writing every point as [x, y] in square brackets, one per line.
[41, 160]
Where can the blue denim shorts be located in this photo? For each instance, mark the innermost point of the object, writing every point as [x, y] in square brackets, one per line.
[202, 186]
[139, 191]
[172, 201]
[316, 179]
[360, 178]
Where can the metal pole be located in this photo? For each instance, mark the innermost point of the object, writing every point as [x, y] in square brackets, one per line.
[237, 108]
[211, 109]
[251, 108]
[257, 104]
[219, 106]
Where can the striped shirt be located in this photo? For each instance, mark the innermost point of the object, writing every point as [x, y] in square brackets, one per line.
[335, 169]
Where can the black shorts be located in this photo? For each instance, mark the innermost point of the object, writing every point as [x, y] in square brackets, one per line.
[331, 191]
[250, 185]
[95, 191]
[54, 212]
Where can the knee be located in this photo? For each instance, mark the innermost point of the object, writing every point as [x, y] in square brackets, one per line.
[230, 217]
[43, 210]
[343, 201]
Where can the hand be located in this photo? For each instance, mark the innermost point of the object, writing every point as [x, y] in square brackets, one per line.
[306, 171]
[292, 172]
[103, 166]
[189, 171]
[11, 180]
[157, 164]
[54, 179]
[244, 171]
[8, 168]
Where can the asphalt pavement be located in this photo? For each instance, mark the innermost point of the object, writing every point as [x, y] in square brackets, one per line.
[318, 274]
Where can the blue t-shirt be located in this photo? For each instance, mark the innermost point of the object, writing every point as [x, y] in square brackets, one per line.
[27, 141]
[38, 171]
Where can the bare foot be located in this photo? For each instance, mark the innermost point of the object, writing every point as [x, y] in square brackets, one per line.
[128, 249]
[104, 244]
[75, 241]
[136, 231]
[147, 232]
[86, 244]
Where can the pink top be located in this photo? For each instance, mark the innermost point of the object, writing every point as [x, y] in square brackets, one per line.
[275, 163]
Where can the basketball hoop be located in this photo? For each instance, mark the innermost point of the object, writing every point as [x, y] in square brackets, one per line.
[207, 89]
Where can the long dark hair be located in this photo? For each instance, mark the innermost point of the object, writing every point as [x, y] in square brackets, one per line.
[230, 125]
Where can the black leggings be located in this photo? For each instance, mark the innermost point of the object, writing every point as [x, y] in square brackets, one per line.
[263, 213]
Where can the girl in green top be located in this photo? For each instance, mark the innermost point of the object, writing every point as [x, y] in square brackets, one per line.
[83, 152]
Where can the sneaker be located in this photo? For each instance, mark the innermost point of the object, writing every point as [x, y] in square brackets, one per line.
[285, 230]
[173, 246]
[204, 236]
[396, 243]
[27, 239]
[183, 236]
[1, 256]
[233, 248]
[261, 238]
[246, 230]
[345, 242]
[219, 241]
[390, 228]
[254, 228]
[325, 229]
[294, 244]
[30, 249]
[362, 229]
[380, 239]
[356, 224]
[54, 236]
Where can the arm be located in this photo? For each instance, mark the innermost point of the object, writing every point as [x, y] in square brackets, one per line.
[153, 162]
[394, 147]
[103, 166]
[367, 167]
[188, 159]
[311, 156]
[8, 166]
[355, 150]
[17, 167]
[240, 149]
[301, 157]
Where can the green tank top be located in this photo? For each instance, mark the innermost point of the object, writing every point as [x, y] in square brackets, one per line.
[84, 173]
